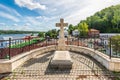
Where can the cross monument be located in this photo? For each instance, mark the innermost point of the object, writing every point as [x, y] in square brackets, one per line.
[61, 58]
[61, 41]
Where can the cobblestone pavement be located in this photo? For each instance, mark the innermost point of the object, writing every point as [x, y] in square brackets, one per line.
[37, 68]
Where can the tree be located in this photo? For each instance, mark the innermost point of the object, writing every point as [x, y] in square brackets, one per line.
[106, 20]
[116, 19]
[32, 34]
[70, 29]
[41, 34]
[52, 33]
[83, 28]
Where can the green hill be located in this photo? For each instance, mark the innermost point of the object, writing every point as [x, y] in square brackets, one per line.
[106, 20]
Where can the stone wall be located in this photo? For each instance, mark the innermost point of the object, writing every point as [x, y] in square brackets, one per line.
[10, 65]
[112, 64]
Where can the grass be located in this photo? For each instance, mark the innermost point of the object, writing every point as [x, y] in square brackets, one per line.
[19, 45]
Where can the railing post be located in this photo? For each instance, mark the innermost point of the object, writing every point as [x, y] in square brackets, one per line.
[46, 42]
[67, 40]
[94, 41]
[110, 48]
[78, 41]
[54, 41]
[29, 43]
[9, 48]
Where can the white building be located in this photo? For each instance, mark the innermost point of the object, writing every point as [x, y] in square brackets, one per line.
[75, 32]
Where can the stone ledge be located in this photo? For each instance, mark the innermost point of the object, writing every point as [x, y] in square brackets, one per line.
[9, 65]
[112, 64]
[6, 65]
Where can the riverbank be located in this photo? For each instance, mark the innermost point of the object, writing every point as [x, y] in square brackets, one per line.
[15, 36]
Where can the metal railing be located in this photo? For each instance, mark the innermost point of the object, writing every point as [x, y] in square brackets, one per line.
[13, 47]
[101, 44]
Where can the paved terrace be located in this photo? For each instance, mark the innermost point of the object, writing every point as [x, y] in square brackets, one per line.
[84, 68]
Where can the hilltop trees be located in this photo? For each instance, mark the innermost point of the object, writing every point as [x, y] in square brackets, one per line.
[116, 21]
[107, 20]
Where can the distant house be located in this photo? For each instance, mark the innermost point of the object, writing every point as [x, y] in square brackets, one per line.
[28, 37]
[75, 32]
[93, 33]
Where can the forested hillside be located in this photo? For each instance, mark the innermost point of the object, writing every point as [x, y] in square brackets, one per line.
[106, 20]
[16, 32]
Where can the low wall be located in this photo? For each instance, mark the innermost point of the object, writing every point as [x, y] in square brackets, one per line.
[9, 65]
[112, 64]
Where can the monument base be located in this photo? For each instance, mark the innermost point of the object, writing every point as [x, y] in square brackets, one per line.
[61, 48]
[61, 60]
[61, 45]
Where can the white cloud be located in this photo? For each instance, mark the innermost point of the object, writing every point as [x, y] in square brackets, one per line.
[75, 10]
[15, 24]
[38, 23]
[8, 16]
[9, 10]
[30, 4]
[71, 10]
[28, 28]
[31, 20]
[2, 24]
[27, 24]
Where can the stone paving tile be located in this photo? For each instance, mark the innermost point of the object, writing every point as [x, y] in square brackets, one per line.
[37, 68]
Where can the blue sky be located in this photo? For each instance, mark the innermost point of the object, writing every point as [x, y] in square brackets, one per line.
[41, 15]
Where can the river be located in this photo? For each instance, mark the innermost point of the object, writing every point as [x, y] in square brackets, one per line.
[14, 36]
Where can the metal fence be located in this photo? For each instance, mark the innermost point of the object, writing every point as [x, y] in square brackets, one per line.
[104, 45]
[13, 47]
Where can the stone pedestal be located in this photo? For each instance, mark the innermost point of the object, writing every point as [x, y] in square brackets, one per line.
[61, 60]
[61, 45]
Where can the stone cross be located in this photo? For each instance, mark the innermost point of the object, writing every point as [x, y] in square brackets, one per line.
[61, 41]
[61, 25]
